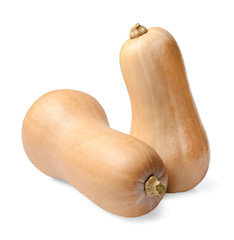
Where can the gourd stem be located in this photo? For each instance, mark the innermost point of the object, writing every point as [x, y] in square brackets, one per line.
[137, 30]
[154, 187]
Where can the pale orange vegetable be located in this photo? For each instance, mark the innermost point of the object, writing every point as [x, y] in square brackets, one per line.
[164, 114]
[66, 135]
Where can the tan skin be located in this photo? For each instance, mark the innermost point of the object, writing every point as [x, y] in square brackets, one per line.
[164, 114]
[66, 135]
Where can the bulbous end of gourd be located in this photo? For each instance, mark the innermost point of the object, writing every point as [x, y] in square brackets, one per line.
[154, 187]
[137, 30]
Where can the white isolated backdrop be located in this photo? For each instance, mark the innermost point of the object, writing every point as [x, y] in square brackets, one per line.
[47, 45]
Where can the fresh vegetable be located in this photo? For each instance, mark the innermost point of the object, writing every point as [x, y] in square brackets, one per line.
[164, 114]
[66, 135]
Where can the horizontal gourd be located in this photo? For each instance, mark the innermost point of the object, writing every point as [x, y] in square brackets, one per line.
[66, 135]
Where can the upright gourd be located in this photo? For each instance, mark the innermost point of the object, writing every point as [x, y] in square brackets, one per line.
[164, 114]
[66, 135]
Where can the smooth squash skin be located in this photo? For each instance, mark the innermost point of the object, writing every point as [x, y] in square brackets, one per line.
[164, 114]
[66, 135]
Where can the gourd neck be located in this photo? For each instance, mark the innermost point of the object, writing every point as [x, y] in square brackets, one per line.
[137, 30]
[154, 187]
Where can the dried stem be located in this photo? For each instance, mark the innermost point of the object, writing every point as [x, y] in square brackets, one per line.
[137, 30]
[154, 187]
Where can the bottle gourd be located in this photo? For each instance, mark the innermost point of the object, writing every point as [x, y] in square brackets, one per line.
[164, 114]
[66, 135]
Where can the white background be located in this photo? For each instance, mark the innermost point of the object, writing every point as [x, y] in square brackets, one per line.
[47, 45]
